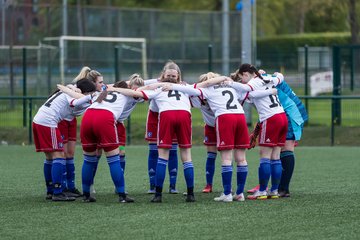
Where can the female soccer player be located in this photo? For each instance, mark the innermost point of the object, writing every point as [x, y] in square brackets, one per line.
[174, 120]
[273, 127]
[68, 130]
[47, 136]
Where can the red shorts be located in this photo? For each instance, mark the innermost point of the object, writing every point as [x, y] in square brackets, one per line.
[231, 132]
[121, 133]
[47, 139]
[68, 130]
[174, 124]
[273, 131]
[209, 135]
[151, 126]
[98, 130]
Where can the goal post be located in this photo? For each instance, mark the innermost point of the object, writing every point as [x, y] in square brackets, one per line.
[62, 47]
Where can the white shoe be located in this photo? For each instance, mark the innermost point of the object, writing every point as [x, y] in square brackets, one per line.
[239, 198]
[258, 195]
[224, 198]
[274, 194]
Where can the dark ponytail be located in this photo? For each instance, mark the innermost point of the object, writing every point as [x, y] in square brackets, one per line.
[246, 67]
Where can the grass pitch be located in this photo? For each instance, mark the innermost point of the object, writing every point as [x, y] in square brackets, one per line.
[323, 204]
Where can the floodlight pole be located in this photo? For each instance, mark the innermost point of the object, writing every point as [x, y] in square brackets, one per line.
[225, 37]
[246, 48]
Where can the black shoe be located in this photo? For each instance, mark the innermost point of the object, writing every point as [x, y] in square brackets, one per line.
[190, 198]
[48, 196]
[156, 199]
[125, 199]
[73, 193]
[89, 199]
[62, 197]
[284, 194]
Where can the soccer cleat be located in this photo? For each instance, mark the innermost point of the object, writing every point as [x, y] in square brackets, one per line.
[258, 195]
[190, 198]
[89, 199]
[73, 193]
[173, 190]
[48, 196]
[253, 190]
[224, 198]
[273, 194]
[125, 199]
[151, 191]
[284, 194]
[239, 197]
[62, 197]
[207, 188]
[156, 199]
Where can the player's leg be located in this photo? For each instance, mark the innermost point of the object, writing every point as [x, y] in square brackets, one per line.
[241, 174]
[226, 175]
[188, 166]
[161, 172]
[210, 142]
[288, 164]
[173, 168]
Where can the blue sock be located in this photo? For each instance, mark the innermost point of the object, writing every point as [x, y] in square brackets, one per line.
[122, 162]
[160, 172]
[210, 167]
[95, 168]
[173, 165]
[116, 173]
[241, 174]
[57, 172]
[70, 173]
[152, 162]
[189, 174]
[276, 170]
[288, 165]
[226, 174]
[47, 175]
[264, 173]
[87, 172]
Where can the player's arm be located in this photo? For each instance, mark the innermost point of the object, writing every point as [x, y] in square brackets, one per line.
[152, 86]
[212, 81]
[187, 89]
[240, 86]
[263, 93]
[69, 91]
[127, 92]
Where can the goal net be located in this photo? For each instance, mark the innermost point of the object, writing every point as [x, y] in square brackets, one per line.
[112, 57]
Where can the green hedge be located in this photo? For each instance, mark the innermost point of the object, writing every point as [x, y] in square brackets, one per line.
[282, 50]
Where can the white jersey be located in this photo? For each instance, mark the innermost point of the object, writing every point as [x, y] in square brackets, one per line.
[128, 108]
[206, 112]
[114, 102]
[153, 107]
[58, 107]
[170, 100]
[222, 99]
[267, 106]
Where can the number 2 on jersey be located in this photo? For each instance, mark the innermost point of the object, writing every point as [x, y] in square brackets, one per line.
[228, 103]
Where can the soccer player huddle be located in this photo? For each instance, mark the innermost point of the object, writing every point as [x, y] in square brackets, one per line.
[168, 127]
